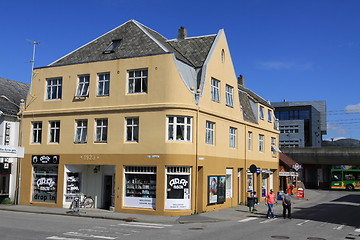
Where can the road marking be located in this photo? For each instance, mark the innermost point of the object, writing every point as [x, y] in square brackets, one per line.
[62, 238]
[357, 230]
[268, 220]
[145, 225]
[302, 223]
[248, 219]
[76, 234]
[339, 227]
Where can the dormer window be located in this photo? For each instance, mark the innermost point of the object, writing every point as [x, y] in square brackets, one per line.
[113, 45]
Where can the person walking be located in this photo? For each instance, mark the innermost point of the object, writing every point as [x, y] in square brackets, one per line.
[270, 201]
[286, 202]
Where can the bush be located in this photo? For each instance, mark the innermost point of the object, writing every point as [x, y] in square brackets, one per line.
[6, 201]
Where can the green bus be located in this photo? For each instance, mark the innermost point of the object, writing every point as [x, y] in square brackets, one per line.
[348, 179]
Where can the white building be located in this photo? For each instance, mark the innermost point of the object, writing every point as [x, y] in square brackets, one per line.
[11, 92]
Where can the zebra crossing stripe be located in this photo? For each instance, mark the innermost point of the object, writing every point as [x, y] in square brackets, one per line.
[77, 234]
[339, 227]
[145, 225]
[302, 223]
[248, 219]
[62, 238]
[357, 230]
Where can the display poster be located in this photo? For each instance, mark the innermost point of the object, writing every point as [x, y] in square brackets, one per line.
[140, 191]
[178, 192]
[217, 189]
[72, 186]
[221, 189]
[45, 183]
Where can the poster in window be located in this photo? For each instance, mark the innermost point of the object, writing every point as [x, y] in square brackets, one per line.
[221, 189]
[217, 189]
[213, 189]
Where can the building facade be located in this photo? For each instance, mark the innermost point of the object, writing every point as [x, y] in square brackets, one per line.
[147, 125]
[302, 124]
[11, 92]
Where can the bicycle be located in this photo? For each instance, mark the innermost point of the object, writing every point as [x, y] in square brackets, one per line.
[81, 201]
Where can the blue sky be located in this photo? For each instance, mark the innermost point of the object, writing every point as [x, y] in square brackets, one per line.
[298, 50]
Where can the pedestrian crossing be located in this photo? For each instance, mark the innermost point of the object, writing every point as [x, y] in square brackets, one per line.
[111, 232]
[299, 223]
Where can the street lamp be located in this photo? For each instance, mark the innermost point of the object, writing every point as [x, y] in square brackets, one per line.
[20, 114]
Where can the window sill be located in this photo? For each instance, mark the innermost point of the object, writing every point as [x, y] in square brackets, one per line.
[80, 142]
[100, 141]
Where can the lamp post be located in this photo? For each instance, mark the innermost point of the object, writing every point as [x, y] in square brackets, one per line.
[20, 115]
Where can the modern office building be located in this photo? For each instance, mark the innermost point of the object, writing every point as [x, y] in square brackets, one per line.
[147, 125]
[11, 92]
[302, 124]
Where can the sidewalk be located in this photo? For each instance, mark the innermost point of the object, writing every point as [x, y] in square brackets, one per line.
[228, 214]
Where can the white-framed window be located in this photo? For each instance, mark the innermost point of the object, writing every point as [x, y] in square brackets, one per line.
[262, 114]
[273, 143]
[232, 135]
[215, 90]
[261, 143]
[210, 133]
[103, 84]
[229, 96]
[54, 131]
[54, 88]
[179, 128]
[101, 130]
[83, 86]
[178, 191]
[250, 141]
[138, 81]
[36, 132]
[228, 184]
[132, 129]
[270, 115]
[81, 131]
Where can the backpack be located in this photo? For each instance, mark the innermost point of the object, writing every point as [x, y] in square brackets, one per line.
[287, 199]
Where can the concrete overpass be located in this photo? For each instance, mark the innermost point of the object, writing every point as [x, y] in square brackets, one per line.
[317, 162]
[325, 155]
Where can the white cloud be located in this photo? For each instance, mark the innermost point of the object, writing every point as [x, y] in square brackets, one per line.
[353, 108]
[336, 128]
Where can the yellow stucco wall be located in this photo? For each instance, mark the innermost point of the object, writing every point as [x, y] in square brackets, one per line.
[167, 95]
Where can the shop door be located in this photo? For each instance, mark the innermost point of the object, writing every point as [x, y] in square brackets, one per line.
[107, 191]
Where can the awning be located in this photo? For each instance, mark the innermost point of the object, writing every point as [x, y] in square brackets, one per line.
[285, 159]
[267, 171]
[275, 148]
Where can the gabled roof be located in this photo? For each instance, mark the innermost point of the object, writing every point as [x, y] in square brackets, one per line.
[15, 91]
[138, 40]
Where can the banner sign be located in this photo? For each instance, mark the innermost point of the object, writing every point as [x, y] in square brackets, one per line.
[11, 152]
[45, 159]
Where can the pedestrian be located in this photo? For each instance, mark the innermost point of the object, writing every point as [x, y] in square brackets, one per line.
[270, 201]
[251, 202]
[286, 202]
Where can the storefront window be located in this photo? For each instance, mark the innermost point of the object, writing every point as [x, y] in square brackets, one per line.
[178, 188]
[72, 186]
[250, 182]
[229, 183]
[140, 187]
[45, 183]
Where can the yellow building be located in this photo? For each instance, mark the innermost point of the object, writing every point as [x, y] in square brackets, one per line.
[148, 125]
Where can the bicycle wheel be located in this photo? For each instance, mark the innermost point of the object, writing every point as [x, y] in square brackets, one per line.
[88, 202]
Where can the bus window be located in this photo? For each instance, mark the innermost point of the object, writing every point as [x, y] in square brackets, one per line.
[336, 176]
[349, 176]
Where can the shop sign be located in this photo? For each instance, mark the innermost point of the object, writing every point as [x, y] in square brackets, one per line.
[139, 202]
[45, 159]
[9, 151]
[217, 189]
[288, 174]
[296, 166]
[178, 192]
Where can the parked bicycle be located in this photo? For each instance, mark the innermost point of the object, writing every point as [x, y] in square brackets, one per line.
[82, 201]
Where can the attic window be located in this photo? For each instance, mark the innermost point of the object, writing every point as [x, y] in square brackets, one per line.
[113, 45]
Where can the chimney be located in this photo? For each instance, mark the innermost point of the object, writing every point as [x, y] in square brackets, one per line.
[182, 33]
[241, 80]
